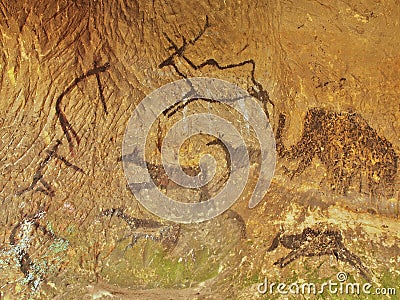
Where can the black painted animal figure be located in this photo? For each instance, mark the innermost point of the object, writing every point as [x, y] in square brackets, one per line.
[168, 235]
[315, 242]
[347, 146]
[255, 89]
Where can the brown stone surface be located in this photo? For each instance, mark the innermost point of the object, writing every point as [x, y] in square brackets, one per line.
[72, 73]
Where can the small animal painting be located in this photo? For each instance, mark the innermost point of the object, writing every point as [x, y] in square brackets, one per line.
[316, 242]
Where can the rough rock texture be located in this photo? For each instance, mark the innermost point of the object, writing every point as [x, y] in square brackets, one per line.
[72, 73]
